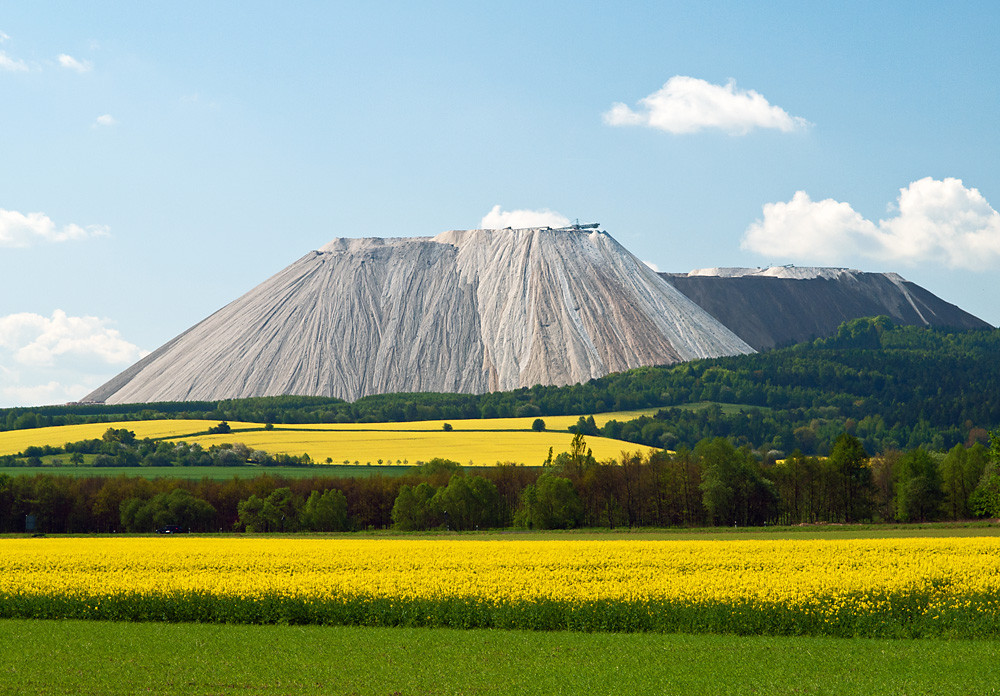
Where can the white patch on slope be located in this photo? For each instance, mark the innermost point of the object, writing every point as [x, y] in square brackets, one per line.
[791, 272]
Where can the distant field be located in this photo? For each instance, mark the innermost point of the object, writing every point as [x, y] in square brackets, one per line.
[728, 409]
[14, 441]
[482, 442]
[479, 448]
[95, 657]
[551, 423]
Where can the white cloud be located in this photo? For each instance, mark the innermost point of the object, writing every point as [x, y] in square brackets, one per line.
[652, 266]
[58, 358]
[10, 64]
[688, 105]
[936, 221]
[49, 393]
[106, 120]
[31, 339]
[73, 64]
[498, 219]
[20, 230]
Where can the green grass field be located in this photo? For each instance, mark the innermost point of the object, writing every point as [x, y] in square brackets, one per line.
[728, 409]
[73, 657]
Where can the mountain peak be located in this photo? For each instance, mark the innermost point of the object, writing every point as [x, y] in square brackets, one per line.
[465, 311]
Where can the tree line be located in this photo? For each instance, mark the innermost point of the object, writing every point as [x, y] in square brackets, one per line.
[714, 483]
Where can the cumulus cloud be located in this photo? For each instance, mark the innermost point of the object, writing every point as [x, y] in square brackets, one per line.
[106, 120]
[11, 64]
[58, 358]
[498, 219]
[652, 266]
[935, 221]
[688, 105]
[51, 392]
[72, 63]
[32, 339]
[22, 230]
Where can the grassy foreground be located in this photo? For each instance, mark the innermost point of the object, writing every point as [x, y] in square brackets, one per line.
[72, 657]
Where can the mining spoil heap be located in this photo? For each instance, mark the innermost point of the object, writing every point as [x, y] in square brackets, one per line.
[782, 305]
[466, 311]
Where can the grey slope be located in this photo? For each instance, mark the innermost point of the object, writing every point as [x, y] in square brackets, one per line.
[466, 311]
[779, 306]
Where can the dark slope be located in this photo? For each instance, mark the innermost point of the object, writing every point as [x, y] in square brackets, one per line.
[768, 312]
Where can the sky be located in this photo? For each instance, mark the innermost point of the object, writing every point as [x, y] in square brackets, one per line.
[158, 160]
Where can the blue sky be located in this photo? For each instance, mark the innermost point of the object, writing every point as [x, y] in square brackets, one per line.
[157, 160]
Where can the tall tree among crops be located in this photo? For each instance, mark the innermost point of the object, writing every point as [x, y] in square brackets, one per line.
[849, 463]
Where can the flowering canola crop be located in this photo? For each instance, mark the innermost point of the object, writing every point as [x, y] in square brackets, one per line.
[902, 587]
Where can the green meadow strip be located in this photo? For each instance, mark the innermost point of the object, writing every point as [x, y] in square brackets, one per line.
[898, 615]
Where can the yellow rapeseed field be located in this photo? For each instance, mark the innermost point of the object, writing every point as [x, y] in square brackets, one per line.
[787, 572]
[877, 587]
[14, 441]
[484, 448]
[480, 441]
[520, 423]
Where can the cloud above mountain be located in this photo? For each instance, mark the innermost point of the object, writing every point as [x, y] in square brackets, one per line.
[498, 219]
[58, 358]
[688, 105]
[25, 229]
[935, 222]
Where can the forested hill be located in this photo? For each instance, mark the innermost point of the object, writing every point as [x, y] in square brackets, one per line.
[890, 386]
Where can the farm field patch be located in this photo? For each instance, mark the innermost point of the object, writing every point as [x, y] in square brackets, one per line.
[480, 448]
[482, 442]
[520, 423]
[96, 657]
[914, 587]
[14, 441]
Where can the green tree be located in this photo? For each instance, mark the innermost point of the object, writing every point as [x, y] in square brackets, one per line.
[411, 510]
[325, 512]
[468, 503]
[550, 503]
[250, 513]
[918, 487]
[538, 425]
[985, 499]
[280, 512]
[961, 472]
[119, 435]
[733, 489]
[178, 507]
[849, 463]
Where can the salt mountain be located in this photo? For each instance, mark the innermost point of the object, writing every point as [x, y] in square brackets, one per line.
[773, 307]
[465, 311]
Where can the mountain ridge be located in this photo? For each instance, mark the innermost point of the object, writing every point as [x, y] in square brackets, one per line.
[783, 305]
